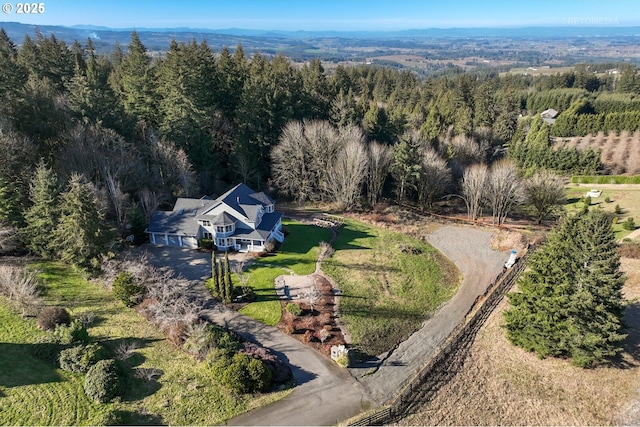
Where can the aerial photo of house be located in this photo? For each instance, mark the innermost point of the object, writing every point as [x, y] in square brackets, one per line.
[240, 219]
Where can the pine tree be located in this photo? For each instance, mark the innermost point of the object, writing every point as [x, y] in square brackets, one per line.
[41, 218]
[81, 233]
[570, 301]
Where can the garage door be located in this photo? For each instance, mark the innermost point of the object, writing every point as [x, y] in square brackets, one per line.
[174, 241]
[190, 242]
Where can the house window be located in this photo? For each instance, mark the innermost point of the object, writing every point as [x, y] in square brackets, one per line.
[219, 229]
[269, 209]
[206, 235]
[206, 223]
[228, 228]
[221, 242]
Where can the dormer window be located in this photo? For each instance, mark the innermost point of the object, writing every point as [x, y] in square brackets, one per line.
[206, 223]
[269, 209]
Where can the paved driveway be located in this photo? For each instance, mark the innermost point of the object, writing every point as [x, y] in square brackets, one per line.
[327, 394]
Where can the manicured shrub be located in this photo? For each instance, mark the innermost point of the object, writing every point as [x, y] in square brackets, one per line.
[81, 357]
[629, 224]
[205, 243]
[50, 317]
[47, 351]
[75, 332]
[103, 381]
[293, 308]
[126, 290]
[279, 370]
[617, 210]
[242, 373]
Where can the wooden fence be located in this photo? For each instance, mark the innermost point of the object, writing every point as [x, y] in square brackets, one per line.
[449, 358]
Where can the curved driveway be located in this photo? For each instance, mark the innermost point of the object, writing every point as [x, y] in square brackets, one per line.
[327, 394]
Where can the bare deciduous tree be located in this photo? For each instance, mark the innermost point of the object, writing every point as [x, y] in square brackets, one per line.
[435, 177]
[379, 161]
[149, 202]
[326, 251]
[474, 184]
[311, 297]
[504, 190]
[344, 181]
[544, 192]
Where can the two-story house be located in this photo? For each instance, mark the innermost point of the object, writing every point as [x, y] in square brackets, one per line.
[240, 219]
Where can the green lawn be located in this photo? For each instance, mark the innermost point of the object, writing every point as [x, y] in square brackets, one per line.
[298, 253]
[625, 196]
[33, 392]
[387, 293]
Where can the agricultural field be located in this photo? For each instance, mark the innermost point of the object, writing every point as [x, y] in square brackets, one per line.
[504, 385]
[620, 153]
[389, 283]
[35, 392]
[625, 196]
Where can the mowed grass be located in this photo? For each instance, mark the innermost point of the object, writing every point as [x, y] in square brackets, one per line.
[387, 293]
[626, 196]
[34, 392]
[297, 254]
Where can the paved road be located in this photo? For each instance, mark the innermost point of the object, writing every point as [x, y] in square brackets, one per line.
[320, 383]
[323, 385]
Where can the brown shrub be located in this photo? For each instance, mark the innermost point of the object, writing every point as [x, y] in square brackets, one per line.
[176, 334]
[50, 317]
[307, 337]
[629, 250]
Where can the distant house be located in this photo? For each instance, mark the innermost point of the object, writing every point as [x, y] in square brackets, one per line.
[240, 219]
[549, 116]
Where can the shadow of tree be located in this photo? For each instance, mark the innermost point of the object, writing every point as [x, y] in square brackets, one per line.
[21, 367]
[631, 344]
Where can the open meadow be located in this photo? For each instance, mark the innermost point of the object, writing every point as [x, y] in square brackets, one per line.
[389, 284]
[504, 385]
[625, 196]
[35, 392]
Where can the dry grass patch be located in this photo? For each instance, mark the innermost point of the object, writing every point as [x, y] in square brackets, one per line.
[503, 385]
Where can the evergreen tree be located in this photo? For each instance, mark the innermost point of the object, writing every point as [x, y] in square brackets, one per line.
[10, 203]
[81, 234]
[570, 300]
[228, 284]
[214, 274]
[12, 75]
[138, 225]
[405, 166]
[41, 218]
[221, 287]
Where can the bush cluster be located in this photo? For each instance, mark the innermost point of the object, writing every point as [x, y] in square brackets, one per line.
[81, 357]
[127, 290]
[50, 317]
[242, 373]
[293, 308]
[104, 381]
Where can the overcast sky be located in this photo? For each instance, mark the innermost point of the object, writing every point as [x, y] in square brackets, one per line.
[330, 14]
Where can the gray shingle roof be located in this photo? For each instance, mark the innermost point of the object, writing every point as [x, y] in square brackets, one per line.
[173, 223]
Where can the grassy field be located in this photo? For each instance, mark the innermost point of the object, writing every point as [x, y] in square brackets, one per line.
[387, 293]
[626, 196]
[298, 254]
[33, 392]
[504, 385]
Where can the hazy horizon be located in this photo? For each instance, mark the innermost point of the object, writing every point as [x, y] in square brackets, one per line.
[330, 15]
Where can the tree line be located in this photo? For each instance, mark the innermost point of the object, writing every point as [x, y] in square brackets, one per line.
[143, 129]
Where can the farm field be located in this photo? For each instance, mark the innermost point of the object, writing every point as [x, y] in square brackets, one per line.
[503, 385]
[34, 392]
[626, 196]
[389, 284]
[620, 153]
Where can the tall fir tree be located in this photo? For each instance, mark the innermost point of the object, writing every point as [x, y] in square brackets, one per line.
[81, 233]
[569, 302]
[41, 218]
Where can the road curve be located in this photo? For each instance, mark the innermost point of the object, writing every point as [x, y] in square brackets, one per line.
[326, 394]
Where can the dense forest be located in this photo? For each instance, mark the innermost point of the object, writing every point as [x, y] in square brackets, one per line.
[115, 137]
